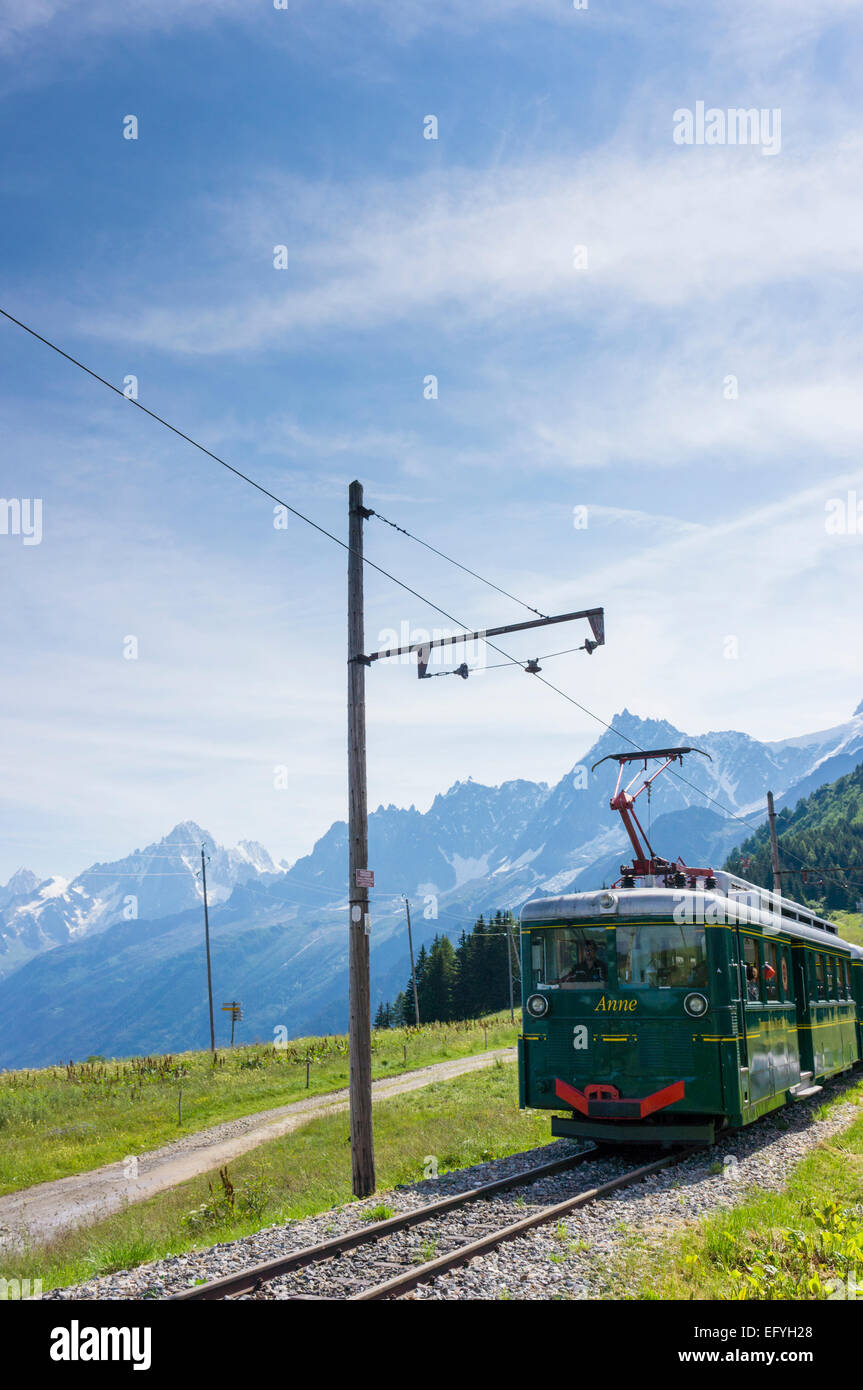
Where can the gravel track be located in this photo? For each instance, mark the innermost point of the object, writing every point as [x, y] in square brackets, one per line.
[574, 1259]
[36, 1214]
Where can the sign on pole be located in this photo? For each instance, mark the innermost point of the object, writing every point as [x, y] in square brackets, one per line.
[365, 878]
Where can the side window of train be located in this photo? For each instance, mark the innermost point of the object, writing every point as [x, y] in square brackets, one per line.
[840, 978]
[771, 970]
[830, 978]
[819, 978]
[848, 991]
[751, 970]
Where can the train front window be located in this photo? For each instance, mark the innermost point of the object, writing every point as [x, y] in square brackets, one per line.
[571, 957]
[661, 955]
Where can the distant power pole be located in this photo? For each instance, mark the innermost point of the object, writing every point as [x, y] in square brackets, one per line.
[360, 1026]
[207, 940]
[774, 845]
[413, 969]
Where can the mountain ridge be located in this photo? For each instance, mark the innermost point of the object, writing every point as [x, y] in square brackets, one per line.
[279, 931]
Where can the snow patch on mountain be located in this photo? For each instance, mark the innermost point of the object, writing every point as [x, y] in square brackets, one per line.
[466, 870]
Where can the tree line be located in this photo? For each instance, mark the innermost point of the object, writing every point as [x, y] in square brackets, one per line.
[820, 842]
[462, 981]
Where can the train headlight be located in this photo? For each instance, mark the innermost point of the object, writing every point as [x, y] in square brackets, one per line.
[695, 1004]
[537, 1006]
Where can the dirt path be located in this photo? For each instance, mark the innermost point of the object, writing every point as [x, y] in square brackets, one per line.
[38, 1213]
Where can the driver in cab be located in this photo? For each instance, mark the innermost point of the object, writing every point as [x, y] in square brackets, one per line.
[591, 969]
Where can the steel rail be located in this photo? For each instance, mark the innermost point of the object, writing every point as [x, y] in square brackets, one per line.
[249, 1280]
[403, 1283]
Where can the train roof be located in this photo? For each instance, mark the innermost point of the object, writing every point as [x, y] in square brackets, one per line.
[733, 899]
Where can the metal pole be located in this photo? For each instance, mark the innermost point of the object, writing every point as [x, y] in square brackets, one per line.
[413, 970]
[360, 1034]
[509, 968]
[774, 845]
[207, 939]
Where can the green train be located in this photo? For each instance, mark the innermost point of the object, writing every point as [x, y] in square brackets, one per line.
[680, 1003]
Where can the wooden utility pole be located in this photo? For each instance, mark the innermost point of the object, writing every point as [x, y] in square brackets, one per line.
[360, 1029]
[413, 969]
[207, 940]
[774, 845]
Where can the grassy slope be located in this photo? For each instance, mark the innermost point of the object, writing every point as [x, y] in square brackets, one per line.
[697, 1263]
[463, 1121]
[52, 1126]
[850, 926]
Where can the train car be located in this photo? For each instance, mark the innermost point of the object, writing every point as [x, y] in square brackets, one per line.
[680, 1002]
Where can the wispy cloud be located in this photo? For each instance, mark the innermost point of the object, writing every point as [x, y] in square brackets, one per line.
[665, 232]
[26, 22]
[772, 28]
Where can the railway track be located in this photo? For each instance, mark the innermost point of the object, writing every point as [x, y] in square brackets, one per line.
[253, 1281]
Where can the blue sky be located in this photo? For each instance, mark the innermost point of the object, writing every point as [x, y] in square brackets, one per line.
[603, 387]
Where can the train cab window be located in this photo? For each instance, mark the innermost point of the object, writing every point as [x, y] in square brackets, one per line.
[536, 958]
[574, 958]
[820, 988]
[661, 955]
[771, 970]
[751, 970]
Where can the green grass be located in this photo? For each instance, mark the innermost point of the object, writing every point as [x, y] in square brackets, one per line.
[64, 1120]
[467, 1120]
[850, 926]
[769, 1245]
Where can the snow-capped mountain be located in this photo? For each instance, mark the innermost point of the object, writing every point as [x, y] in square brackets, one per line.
[20, 885]
[151, 883]
[279, 932]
